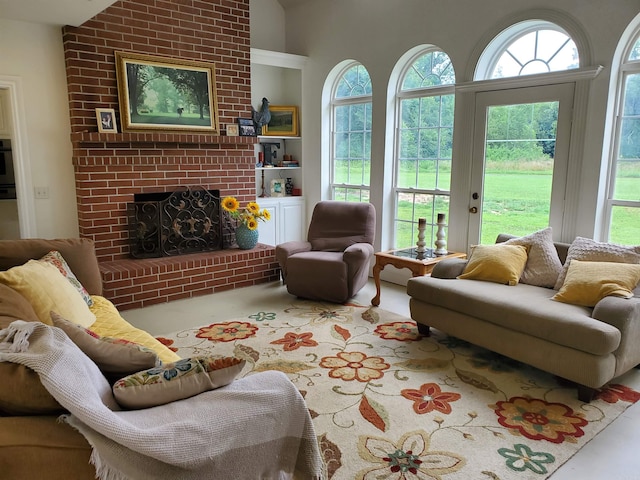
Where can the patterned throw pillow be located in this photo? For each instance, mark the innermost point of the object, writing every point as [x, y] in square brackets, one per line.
[175, 381]
[543, 264]
[57, 260]
[589, 250]
[113, 356]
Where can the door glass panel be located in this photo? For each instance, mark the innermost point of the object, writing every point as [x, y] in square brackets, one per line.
[520, 143]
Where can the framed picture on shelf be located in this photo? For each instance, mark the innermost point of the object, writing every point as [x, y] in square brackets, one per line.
[232, 130]
[277, 187]
[284, 122]
[247, 128]
[186, 87]
[106, 120]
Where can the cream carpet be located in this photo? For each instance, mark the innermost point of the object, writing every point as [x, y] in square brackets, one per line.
[390, 404]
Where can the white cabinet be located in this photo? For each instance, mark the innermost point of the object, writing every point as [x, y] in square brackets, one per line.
[287, 220]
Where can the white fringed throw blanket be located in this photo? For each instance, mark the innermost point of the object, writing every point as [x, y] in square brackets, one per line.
[255, 428]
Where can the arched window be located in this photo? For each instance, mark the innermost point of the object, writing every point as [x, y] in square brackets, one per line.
[351, 135]
[529, 47]
[425, 109]
[623, 198]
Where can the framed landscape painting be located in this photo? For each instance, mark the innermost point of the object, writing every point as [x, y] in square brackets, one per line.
[167, 94]
[284, 122]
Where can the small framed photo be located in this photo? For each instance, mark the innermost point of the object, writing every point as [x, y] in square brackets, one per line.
[106, 120]
[232, 130]
[277, 187]
[284, 122]
[247, 128]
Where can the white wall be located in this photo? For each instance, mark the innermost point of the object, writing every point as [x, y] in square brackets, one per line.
[378, 32]
[33, 54]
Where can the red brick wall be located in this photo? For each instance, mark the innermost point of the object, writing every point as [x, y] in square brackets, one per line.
[110, 168]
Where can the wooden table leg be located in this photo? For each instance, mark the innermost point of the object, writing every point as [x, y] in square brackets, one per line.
[377, 268]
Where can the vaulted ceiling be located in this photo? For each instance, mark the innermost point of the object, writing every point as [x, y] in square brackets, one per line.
[68, 12]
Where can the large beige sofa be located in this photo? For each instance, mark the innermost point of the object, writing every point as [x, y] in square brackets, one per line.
[588, 346]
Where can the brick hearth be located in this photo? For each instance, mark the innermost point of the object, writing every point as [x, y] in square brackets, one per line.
[111, 168]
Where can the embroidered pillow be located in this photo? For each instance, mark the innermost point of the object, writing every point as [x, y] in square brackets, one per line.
[175, 381]
[587, 283]
[543, 264]
[57, 260]
[111, 355]
[46, 289]
[589, 250]
[497, 263]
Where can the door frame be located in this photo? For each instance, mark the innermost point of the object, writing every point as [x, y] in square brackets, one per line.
[21, 160]
[564, 95]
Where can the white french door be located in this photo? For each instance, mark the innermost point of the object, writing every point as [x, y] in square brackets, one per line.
[520, 160]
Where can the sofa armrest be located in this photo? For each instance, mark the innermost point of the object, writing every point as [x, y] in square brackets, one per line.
[449, 268]
[624, 314]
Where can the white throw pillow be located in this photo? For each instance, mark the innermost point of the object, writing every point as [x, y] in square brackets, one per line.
[588, 250]
[543, 263]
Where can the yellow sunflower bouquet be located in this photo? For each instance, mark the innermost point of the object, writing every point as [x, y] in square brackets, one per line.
[248, 215]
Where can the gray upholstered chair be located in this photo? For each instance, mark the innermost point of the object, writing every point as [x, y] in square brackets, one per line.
[333, 264]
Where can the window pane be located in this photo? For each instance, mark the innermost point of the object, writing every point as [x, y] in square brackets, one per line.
[625, 225]
[540, 51]
[635, 51]
[627, 181]
[354, 82]
[430, 70]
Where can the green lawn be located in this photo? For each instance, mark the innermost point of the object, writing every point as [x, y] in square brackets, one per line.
[517, 202]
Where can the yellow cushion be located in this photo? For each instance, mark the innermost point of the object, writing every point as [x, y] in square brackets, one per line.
[587, 283]
[498, 263]
[47, 289]
[109, 323]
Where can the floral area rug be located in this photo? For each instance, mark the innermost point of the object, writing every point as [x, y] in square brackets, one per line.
[388, 403]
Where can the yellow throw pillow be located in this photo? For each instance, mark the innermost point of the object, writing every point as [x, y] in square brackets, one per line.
[175, 381]
[47, 289]
[109, 323]
[587, 283]
[498, 263]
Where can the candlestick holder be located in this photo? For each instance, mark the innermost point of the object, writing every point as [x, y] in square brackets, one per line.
[422, 224]
[441, 241]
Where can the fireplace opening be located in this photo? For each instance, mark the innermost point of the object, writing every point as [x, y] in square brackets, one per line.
[175, 223]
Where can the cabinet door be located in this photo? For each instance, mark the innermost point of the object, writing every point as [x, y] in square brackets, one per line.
[269, 230]
[292, 221]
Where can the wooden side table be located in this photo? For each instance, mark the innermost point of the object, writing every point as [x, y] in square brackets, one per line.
[419, 264]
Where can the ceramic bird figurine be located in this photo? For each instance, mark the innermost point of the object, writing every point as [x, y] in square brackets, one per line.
[262, 117]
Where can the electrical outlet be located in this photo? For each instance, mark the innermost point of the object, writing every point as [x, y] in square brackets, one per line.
[41, 192]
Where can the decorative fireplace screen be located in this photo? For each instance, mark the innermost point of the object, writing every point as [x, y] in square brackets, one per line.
[175, 223]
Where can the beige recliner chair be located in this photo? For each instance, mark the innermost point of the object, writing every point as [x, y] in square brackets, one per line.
[333, 264]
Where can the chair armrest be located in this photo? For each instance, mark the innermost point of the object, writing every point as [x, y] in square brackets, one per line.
[449, 268]
[285, 250]
[355, 254]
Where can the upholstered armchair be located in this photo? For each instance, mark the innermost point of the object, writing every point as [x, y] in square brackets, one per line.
[333, 264]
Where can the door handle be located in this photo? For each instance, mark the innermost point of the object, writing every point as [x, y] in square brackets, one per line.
[473, 209]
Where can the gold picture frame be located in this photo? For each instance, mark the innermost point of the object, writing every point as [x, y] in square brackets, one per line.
[166, 94]
[283, 123]
[106, 118]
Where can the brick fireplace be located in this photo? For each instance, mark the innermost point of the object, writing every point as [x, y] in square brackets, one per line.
[111, 167]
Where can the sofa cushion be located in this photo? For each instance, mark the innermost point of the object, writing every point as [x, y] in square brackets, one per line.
[589, 250]
[498, 263]
[79, 253]
[543, 264]
[524, 308]
[587, 283]
[57, 260]
[175, 381]
[109, 323]
[46, 289]
[26, 395]
[111, 355]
